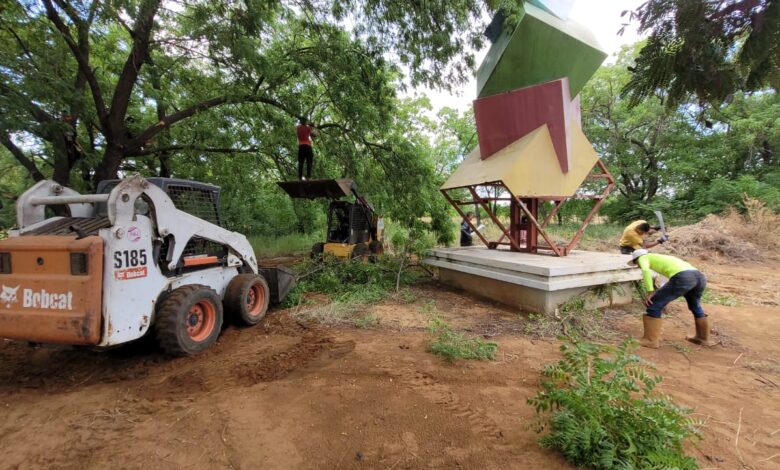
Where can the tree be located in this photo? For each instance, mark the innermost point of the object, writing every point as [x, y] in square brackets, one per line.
[709, 48]
[641, 145]
[98, 82]
[685, 159]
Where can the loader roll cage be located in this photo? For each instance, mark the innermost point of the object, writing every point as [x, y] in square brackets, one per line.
[185, 215]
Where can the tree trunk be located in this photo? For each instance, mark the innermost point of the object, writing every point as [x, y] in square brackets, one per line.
[109, 166]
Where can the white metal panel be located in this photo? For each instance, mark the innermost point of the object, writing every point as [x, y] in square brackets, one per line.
[130, 288]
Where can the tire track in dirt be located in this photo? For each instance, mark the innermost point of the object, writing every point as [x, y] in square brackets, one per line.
[442, 395]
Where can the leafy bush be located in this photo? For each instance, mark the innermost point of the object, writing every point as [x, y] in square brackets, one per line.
[349, 281]
[453, 345]
[604, 413]
[723, 193]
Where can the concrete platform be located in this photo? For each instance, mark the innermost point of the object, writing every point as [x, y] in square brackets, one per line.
[536, 282]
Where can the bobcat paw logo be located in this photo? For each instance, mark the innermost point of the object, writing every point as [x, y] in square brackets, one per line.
[8, 295]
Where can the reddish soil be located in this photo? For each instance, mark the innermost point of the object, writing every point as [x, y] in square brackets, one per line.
[292, 395]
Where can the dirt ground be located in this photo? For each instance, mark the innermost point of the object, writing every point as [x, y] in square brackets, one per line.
[292, 395]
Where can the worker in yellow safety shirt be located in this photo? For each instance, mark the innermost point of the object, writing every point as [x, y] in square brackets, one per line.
[684, 281]
[634, 237]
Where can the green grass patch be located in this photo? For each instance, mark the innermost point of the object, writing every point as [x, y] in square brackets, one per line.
[599, 408]
[267, 247]
[713, 298]
[453, 345]
[350, 287]
[597, 237]
[367, 321]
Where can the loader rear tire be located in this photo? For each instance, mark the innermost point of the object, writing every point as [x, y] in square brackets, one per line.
[189, 320]
[246, 299]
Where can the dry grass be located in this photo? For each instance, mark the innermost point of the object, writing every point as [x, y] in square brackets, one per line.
[731, 236]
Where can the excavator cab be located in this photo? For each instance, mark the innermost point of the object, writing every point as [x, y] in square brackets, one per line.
[354, 229]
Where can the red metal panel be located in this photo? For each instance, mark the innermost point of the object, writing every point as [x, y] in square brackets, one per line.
[504, 118]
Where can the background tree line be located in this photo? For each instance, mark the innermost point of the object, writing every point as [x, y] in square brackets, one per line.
[211, 90]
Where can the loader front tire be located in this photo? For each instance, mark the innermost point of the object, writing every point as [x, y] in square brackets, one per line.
[246, 298]
[188, 320]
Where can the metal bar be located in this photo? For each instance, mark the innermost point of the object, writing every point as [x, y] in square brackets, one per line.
[531, 217]
[463, 215]
[492, 216]
[594, 210]
[552, 213]
[80, 199]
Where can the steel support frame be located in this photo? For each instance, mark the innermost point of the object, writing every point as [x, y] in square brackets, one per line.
[512, 241]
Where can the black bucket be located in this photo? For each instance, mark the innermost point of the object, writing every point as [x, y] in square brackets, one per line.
[280, 281]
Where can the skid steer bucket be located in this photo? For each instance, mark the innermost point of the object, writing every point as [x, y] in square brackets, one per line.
[280, 280]
[313, 189]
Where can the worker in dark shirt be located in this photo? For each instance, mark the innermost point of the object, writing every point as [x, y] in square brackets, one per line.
[465, 230]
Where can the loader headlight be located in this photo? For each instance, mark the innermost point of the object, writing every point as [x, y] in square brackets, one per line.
[78, 264]
[5, 263]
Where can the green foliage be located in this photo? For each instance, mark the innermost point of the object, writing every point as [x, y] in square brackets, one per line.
[349, 282]
[710, 49]
[453, 345]
[713, 298]
[600, 410]
[723, 193]
[367, 321]
[573, 319]
[215, 90]
[686, 160]
[269, 246]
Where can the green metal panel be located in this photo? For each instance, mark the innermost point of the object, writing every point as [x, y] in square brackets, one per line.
[541, 48]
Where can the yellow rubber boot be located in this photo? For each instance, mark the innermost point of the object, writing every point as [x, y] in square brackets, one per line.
[652, 336]
[702, 336]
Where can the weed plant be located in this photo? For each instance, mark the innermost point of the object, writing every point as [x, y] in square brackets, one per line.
[573, 319]
[599, 409]
[349, 281]
[453, 345]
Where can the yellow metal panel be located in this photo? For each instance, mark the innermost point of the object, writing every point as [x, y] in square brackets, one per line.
[501, 165]
[529, 167]
[341, 250]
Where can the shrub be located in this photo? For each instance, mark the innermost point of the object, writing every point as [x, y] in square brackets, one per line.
[600, 409]
[453, 345]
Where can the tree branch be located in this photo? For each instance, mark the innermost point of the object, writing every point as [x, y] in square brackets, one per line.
[83, 61]
[171, 119]
[27, 163]
[197, 148]
[138, 55]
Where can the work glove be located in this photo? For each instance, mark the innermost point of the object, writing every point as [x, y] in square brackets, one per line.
[663, 239]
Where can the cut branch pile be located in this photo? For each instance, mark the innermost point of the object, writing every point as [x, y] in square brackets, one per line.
[732, 236]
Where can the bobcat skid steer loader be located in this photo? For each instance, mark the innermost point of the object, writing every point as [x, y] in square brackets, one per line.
[140, 256]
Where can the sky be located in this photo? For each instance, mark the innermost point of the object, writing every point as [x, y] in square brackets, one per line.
[602, 17]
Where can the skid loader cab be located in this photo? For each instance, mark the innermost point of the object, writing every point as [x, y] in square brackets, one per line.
[354, 230]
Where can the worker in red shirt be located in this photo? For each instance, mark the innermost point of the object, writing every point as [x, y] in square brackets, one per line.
[305, 153]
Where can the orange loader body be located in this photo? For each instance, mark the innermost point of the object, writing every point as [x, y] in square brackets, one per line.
[52, 289]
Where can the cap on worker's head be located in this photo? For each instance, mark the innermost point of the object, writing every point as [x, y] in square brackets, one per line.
[636, 254]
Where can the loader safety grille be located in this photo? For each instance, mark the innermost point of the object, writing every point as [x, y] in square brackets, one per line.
[79, 226]
[201, 203]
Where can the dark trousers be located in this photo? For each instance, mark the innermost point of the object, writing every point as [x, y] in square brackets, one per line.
[306, 154]
[626, 250]
[689, 284]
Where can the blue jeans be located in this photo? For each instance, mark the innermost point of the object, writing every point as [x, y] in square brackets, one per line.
[689, 284]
